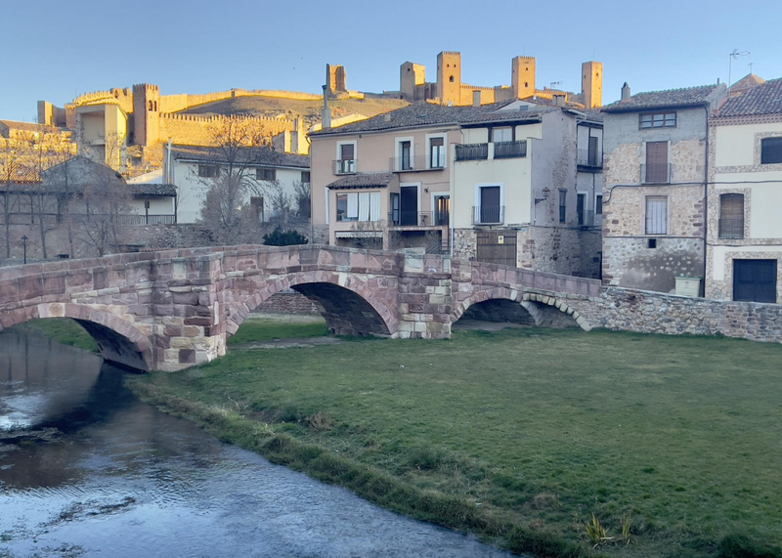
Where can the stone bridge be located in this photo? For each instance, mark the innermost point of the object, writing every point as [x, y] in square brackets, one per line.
[170, 309]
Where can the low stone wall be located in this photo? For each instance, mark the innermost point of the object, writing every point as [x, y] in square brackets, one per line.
[649, 312]
[288, 302]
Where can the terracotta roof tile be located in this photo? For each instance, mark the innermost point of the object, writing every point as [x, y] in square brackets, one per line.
[670, 98]
[362, 180]
[761, 99]
[260, 157]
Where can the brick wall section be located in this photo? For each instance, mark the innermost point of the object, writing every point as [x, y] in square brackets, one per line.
[288, 302]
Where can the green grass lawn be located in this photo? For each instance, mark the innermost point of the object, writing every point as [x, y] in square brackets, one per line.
[268, 329]
[536, 429]
[65, 331]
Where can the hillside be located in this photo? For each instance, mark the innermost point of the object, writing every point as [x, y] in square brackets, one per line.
[309, 109]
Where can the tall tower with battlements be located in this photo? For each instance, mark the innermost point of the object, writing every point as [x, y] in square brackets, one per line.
[522, 76]
[592, 84]
[146, 118]
[449, 77]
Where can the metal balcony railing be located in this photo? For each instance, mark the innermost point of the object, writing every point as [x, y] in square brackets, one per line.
[133, 219]
[587, 158]
[656, 173]
[472, 152]
[419, 218]
[731, 228]
[488, 214]
[345, 166]
[408, 164]
[510, 149]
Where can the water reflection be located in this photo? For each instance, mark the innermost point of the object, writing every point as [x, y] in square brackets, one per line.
[87, 469]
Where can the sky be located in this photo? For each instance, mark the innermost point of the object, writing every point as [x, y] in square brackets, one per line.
[55, 50]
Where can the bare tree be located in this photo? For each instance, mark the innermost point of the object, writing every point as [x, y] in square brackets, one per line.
[303, 194]
[106, 200]
[10, 167]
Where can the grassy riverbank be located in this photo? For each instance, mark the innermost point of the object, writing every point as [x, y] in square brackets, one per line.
[64, 331]
[520, 435]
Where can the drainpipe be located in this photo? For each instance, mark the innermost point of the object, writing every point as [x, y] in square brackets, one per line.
[706, 204]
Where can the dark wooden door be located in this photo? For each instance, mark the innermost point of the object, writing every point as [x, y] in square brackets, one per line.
[755, 280]
[409, 206]
[592, 159]
[497, 247]
[657, 161]
[490, 204]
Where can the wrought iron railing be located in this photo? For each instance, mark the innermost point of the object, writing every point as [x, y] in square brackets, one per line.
[656, 173]
[731, 228]
[419, 218]
[590, 158]
[488, 214]
[345, 166]
[510, 149]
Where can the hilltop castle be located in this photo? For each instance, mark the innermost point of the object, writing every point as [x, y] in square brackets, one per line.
[450, 90]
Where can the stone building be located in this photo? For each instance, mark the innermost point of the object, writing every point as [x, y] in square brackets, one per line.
[449, 89]
[656, 146]
[744, 256]
[514, 183]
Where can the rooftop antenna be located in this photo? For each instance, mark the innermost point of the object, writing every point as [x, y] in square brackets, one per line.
[555, 84]
[750, 66]
[731, 57]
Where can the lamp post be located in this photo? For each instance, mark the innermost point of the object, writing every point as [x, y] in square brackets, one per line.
[24, 245]
[731, 57]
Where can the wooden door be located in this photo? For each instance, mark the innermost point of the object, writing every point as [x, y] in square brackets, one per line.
[657, 162]
[755, 280]
[497, 247]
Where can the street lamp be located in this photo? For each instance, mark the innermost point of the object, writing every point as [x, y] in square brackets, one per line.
[731, 57]
[24, 244]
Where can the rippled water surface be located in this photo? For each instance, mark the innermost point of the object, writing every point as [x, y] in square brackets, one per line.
[86, 469]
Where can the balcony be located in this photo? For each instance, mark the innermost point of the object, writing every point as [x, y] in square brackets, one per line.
[656, 173]
[488, 214]
[589, 218]
[419, 219]
[510, 149]
[472, 152]
[731, 229]
[415, 164]
[345, 166]
[135, 219]
[590, 158]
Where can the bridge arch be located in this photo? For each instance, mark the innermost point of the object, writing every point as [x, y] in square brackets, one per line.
[350, 305]
[119, 341]
[545, 311]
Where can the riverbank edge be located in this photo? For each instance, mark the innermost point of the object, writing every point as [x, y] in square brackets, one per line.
[369, 483]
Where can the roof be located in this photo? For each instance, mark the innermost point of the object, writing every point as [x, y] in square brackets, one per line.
[670, 98]
[153, 190]
[362, 180]
[747, 82]
[252, 156]
[762, 99]
[429, 114]
[25, 126]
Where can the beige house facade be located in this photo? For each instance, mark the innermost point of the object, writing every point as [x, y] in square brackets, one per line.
[498, 183]
[654, 221]
[744, 256]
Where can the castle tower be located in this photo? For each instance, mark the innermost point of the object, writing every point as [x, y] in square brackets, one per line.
[336, 79]
[592, 84]
[146, 118]
[411, 76]
[522, 77]
[449, 77]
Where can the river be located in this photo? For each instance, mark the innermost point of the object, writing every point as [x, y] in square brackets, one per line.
[86, 469]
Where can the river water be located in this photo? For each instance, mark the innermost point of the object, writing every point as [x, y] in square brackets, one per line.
[86, 469]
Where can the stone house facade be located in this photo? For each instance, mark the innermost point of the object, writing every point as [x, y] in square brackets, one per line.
[514, 183]
[656, 151]
[744, 256]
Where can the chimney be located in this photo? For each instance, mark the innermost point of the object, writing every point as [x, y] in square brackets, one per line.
[476, 98]
[626, 94]
[326, 116]
[387, 117]
[559, 100]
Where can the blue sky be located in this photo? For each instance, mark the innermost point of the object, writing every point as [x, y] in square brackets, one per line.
[53, 49]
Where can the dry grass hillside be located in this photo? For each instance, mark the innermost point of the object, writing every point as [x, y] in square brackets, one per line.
[310, 110]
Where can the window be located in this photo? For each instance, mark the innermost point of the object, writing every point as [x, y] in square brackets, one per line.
[755, 280]
[656, 170]
[347, 158]
[208, 171]
[305, 176]
[657, 215]
[731, 223]
[657, 120]
[502, 134]
[599, 204]
[405, 148]
[266, 174]
[359, 206]
[490, 209]
[562, 205]
[770, 151]
[256, 204]
[580, 209]
[437, 153]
